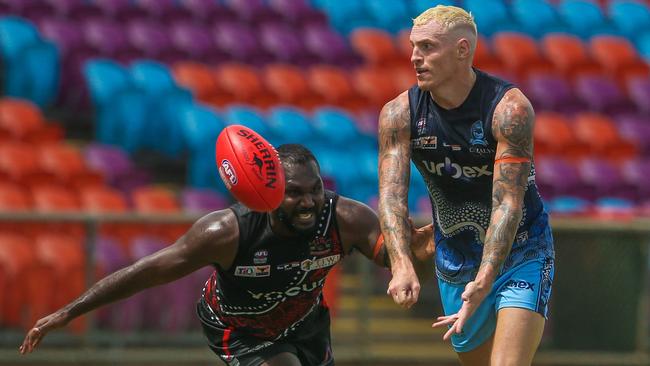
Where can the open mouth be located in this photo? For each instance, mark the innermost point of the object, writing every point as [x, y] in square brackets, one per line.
[305, 217]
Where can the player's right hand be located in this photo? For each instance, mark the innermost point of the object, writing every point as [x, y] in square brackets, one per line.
[404, 287]
[40, 329]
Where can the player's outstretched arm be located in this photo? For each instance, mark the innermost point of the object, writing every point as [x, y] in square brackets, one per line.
[512, 127]
[359, 227]
[394, 175]
[212, 239]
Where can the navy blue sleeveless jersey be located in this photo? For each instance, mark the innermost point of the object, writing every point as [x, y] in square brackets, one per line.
[274, 285]
[454, 150]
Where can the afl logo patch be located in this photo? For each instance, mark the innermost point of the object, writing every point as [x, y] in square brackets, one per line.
[227, 173]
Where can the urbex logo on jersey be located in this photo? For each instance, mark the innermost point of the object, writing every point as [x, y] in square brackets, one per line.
[456, 170]
[265, 157]
[310, 265]
[290, 292]
[227, 172]
[520, 284]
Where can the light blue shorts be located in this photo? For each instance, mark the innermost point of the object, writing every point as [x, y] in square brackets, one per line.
[527, 285]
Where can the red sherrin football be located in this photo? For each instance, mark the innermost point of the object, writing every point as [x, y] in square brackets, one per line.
[250, 168]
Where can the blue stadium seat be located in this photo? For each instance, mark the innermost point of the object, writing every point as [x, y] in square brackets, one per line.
[201, 126]
[630, 17]
[104, 79]
[335, 126]
[491, 16]
[152, 77]
[389, 15]
[15, 34]
[537, 17]
[291, 125]
[643, 45]
[250, 117]
[584, 18]
[346, 16]
[124, 119]
[336, 164]
[568, 205]
[40, 63]
[203, 173]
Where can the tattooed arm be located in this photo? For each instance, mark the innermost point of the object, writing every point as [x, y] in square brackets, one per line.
[512, 127]
[394, 174]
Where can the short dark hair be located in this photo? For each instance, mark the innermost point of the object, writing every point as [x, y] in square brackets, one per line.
[296, 154]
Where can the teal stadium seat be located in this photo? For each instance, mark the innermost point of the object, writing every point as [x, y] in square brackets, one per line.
[291, 126]
[250, 117]
[346, 16]
[419, 6]
[389, 15]
[630, 17]
[162, 132]
[335, 127]
[491, 16]
[584, 18]
[537, 17]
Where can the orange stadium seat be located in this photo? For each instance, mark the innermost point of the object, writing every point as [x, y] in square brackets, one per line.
[484, 58]
[599, 133]
[53, 199]
[158, 200]
[65, 257]
[14, 198]
[289, 84]
[554, 136]
[375, 46]
[109, 200]
[27, 282]
[373, 84]
[68, 165]
[569, 55]
[19, 162]
[403, 42]
[333, 85]
[403, 77]
[618, 56]
[243, 85]
[520, 54]
[19, 118]
[198, 78]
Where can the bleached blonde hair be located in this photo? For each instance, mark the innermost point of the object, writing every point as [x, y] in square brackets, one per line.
[449, 17]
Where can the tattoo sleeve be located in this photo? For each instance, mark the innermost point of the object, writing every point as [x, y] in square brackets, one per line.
[512, 127]
[394, 175]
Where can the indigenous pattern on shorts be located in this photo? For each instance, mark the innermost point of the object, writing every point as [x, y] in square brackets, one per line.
[454, 150]
[274, 283]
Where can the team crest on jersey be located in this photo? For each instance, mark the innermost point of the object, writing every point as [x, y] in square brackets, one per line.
[253, 271]
[425, 143]
[261, 256]
[320, 245]
[310, 265]
[479, 144]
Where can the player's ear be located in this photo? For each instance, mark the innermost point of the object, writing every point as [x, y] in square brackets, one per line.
[463, 48]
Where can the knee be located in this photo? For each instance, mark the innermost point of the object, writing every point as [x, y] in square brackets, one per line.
[509, 359]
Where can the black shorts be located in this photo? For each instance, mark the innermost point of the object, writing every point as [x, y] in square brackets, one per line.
[311, 342]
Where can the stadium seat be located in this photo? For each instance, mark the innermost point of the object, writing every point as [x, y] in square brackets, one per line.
[403, 45]
[635, 173]
[124, 120]
[201, 126]
[334, 86]
[121, 10]
[604, 179]
[288, 83]
[208, 11]
[15, 34]
[68, 166]
[19, 163]
[391, 16]
[34, 74]
[335, 127]
[601, 135]
[116, 166]
[20, 118]
[108, 38]
[102, 199]
[520, 54]
[105, 78]
[195, 42]
[569, 55]
[556, 177]
[630, 17]
[347, 15]
[537, 17]
[298, 12]
[195, 200]
[165, 11]
[551, 92]
[50, 198]
[618, 57]
[484, 58]
[198, 78]
[291, 125]
[329, 47]
[240, 42]
[77, 10]
[490, 16]
[584, 18]
[243, 84]
[252, 11]
[249, 117]
[284, 44]
[14, 198]
[154, 200]
[639, 91]
[419, 6]
[602, 94]
[554, 136]
[635, 128]
[373, 85]
[152, 40]
[375, 46]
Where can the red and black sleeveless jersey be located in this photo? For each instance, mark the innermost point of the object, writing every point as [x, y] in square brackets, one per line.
[275, 283]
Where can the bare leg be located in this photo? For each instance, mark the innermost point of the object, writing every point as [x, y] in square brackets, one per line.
[479, 356]
[517, 337]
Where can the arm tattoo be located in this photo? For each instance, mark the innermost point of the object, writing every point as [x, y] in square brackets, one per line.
[394, 175]
[513, 129]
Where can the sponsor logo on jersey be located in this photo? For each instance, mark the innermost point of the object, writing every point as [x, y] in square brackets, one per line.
[421, 126]
[320, 245]
[253, 271]
[310, 265]
[456, 170]
[453, 147]
[289, 292]
[288, 266]
[227, 173]
[425, 143]
[261, 256]
[521, 284]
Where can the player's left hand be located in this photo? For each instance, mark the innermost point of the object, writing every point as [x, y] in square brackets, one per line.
[472, 297]
[40, 329]
[422, 243]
